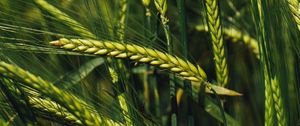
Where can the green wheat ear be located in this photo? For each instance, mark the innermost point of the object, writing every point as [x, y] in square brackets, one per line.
[70, 102]
[269, 102]
[45, 108]
[182, 68]
[53, 109]
[214, 24]
[278, 102]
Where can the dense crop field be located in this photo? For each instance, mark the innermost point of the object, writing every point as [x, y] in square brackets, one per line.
[150, 62]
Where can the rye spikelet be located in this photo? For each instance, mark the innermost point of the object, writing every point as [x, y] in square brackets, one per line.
[295, 10]
[182, 68]
[70, 102]
[214, 24]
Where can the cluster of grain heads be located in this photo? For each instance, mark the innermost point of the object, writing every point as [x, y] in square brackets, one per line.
[84, 32]
[42, 107]
[182, 68]
[215, 27]
[73, 104]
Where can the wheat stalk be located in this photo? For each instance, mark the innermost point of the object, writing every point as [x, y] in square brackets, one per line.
[182, 68]
[269, 101]
[235, 34]
[214, 24]
[123, 5]
[161, 6]
[122, 18]
[70, 102]
[295, 10]
[272, 86]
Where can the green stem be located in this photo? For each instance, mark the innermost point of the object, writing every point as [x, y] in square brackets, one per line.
[183, 38]
[171, 76]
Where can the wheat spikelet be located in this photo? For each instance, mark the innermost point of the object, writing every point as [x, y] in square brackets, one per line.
[184, 69]
[295, 10]
[70, 102]
[214, 24]
[234, 34]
